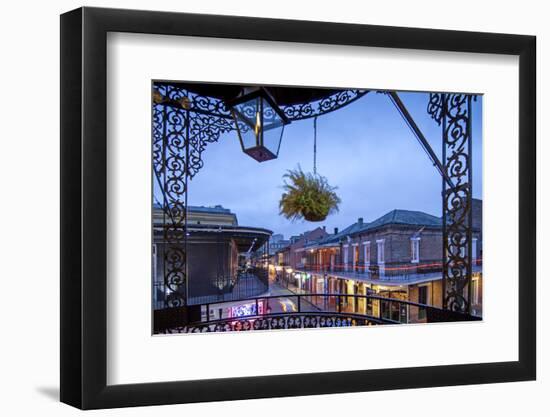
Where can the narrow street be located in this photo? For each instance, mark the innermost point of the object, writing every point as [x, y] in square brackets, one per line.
[288, 303]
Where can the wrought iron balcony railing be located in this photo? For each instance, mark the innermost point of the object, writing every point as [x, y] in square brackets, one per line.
[250, 282]
[314, 310]
[277, 322]
[396, 271]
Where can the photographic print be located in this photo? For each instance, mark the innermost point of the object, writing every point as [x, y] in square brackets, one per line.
[282, 207]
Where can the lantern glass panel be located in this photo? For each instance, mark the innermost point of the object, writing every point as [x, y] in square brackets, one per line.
[272, 136]
[247, 117]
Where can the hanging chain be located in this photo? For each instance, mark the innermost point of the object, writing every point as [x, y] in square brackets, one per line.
[315, 145]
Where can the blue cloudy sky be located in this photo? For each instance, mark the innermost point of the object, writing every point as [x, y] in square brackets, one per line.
[364, 149]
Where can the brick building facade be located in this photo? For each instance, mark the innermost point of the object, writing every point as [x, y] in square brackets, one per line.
[399, 255]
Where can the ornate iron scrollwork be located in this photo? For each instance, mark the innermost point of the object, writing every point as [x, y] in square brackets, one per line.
[171, 171]
[216, 107]
[178, 143]
[435, 107]
[275, 322]
[325, 105]
[204, 129]
[453, 111]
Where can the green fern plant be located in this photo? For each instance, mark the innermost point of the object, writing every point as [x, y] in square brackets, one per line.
[307, 196]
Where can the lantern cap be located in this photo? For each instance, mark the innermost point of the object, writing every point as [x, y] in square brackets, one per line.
[260, 92]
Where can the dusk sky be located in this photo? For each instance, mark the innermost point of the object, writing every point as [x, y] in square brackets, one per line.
[365, 149]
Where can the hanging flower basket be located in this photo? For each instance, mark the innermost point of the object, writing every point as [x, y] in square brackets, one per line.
[307, 196]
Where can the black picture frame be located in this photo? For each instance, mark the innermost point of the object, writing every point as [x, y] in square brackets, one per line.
[84, 207]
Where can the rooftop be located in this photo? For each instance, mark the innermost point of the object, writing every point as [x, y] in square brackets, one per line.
[218, 209]
[396, 216]
[404, 217]
[355, 227]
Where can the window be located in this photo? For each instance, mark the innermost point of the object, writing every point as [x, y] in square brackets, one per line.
[380, 251]
[415, 249]
[474, 251]
[366, 252]
[320, 286]
[422, 299]
[423, 294]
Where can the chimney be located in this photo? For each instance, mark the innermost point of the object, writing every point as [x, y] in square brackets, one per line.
[324, 228]
[360, 220]
[335, 230]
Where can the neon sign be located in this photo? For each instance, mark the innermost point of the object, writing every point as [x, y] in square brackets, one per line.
[244, 310]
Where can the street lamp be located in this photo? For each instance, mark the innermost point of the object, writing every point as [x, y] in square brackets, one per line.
[260, 124]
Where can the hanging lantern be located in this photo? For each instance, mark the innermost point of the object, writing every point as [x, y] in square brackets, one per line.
[260, 124]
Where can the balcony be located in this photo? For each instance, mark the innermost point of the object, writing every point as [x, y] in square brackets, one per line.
[249, 282]
[296, 311]
[387, 273]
